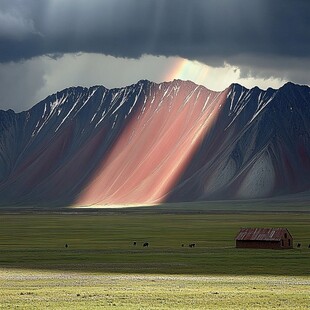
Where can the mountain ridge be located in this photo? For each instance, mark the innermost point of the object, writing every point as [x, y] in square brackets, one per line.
[151, 82]
[206, 144]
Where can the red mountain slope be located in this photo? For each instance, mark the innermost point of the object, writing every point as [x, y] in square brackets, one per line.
[148, 143]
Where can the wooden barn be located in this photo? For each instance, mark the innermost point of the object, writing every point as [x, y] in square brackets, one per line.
[264, 238]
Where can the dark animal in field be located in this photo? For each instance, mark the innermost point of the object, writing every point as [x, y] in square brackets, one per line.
[145, 244]
[66, 245]
[135, 243]
[298, 245]
[192, 245]
[309, 246]
[182, 245]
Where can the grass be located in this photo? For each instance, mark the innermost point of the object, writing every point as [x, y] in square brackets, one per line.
[104, 243]
[49, 289]
[102, 268]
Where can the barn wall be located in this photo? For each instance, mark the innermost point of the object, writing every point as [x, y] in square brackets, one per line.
[258, 244]
[287, 243]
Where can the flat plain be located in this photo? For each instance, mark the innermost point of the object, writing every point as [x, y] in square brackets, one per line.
[102, 268]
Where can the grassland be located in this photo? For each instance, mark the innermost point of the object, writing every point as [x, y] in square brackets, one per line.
[101, 267]
[24, 289]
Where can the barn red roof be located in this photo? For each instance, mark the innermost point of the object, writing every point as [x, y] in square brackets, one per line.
[261, 234]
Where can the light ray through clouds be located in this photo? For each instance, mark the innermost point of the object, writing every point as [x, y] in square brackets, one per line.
[215, 78]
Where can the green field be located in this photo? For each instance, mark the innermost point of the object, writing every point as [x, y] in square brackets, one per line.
[102, 268]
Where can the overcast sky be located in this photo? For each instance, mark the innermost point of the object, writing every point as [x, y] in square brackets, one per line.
[48, 45]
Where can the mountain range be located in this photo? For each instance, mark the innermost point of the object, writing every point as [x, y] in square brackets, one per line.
[149, 143]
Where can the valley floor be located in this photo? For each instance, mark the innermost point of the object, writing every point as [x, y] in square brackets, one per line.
[102, 268]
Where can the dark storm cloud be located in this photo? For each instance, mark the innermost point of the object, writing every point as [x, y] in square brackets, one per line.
[19, 83]
[212, 31]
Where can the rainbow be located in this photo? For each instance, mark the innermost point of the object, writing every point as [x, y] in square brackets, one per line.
[185, 69]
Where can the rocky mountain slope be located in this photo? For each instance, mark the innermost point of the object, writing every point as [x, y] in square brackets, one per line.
[148, 143]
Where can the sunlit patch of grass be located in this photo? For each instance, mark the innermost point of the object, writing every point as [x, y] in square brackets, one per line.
[66, 290]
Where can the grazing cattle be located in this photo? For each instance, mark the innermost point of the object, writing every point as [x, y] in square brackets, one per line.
[145, 244]
[182, 245]
[298, 245]
[309, 246]
[135, 243]
[66, 245]
[192, 245]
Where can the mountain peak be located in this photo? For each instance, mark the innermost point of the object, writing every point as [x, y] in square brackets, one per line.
[291, 85]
